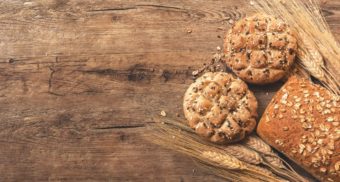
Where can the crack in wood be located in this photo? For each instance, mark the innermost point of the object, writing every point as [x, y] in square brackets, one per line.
[160, 6]
[120, 127]
[106, 72]
[135, 73]
[141, 72]
[112, 9]
[136, 7]
[50, 79]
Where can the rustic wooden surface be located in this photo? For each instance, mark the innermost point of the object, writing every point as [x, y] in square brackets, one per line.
[80, 80]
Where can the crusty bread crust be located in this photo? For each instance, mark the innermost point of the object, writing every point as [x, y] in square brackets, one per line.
[260, 49]
[302, 121]
[220, 107]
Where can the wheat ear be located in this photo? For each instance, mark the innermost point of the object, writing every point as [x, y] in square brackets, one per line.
[256, 143]
[241, 152]
[259, 145]
[240, 176]
[223, 160]
[180, 140]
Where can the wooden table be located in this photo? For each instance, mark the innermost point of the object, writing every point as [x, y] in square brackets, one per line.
[80, 81]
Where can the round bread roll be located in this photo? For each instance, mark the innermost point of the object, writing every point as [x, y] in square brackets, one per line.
[220, 107]
[260, 49]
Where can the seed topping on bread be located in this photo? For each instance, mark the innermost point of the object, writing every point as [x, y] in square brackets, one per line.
[260, 49]
[309, 127]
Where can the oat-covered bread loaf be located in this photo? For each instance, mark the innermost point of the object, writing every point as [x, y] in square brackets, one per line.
[220, 107]
[260, 49]
[302, 121]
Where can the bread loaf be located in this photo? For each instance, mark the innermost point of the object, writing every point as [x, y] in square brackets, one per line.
[260, 49]
[302, 121]
[220, 107]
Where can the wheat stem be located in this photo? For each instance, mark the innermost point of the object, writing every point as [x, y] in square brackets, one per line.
[179, 137]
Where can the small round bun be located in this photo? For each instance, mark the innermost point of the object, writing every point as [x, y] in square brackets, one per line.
[260, 49]
[220, 107]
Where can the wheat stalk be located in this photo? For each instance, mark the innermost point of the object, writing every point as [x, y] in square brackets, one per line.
[223, 160]
[181, 138]
[306, 53]
[275, 161]
[270, 157]
[259, 145]
[243, 153]
[166, 136]
[260, 169]
[184, 142]
[240, 176]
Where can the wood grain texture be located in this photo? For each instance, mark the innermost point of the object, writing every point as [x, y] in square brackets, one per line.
[80, 80]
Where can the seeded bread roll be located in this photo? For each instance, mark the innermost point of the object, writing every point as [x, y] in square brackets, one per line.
[220, 107]
[302, 121]
[260, 49]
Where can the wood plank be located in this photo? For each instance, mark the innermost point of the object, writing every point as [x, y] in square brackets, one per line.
[80, 80]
